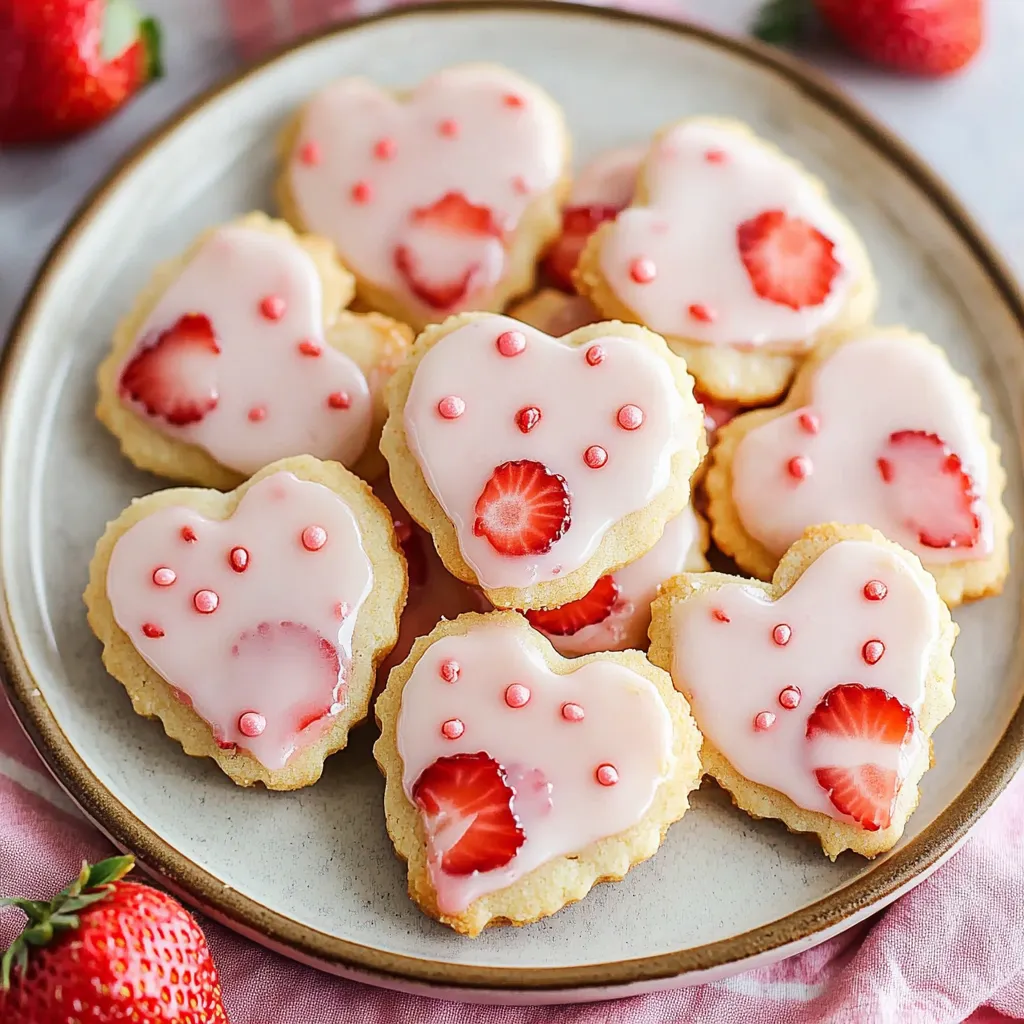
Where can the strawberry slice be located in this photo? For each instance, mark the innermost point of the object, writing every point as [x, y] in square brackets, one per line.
[595, 606]
[578, 224]
[788, 259]
[455, 214]
[930, 489]
[716, 414]
[175, 377]
[436, 294]
[523, 509]
[467, 813]
[852, 712]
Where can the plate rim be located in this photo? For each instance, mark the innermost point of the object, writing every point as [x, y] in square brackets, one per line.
[125, 830]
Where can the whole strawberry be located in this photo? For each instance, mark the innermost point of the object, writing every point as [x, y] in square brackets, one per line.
[66, 65]
[921, 37]
[106, 950]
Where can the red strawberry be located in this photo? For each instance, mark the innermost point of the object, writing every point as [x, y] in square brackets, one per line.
[105, 950]
[455, 214]
[788, 259]
[595, 606]
[716, 414]
[866, 792]
[65, 65]
[175, 377]
[467, 813]
[436, 294]
[931, 490]
[578, 224]
[523, 509]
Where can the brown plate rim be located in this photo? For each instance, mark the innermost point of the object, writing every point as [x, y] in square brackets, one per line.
[308, 944]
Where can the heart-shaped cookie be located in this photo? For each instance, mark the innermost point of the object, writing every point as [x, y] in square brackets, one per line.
[878, 429]
[238, 355]
[732, 252]
[816, 694]
[440, 199]
[251, 623]
[539, 464]
[517, 779]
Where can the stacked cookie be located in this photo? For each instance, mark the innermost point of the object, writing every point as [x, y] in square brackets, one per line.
[489, 520]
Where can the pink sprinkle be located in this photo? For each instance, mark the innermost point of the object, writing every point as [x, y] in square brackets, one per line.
[643, 270]
[527, 418]
[715, 156]
[451, 407]
[385, 148]
[595, 355]
[873, 651]
[789, 698]
[272, 307]
[595, 456]
[781, 634]
[341, 610]
[519, 185]
[205, 601]
[362, 192]
[238, 559]
[875, 590]
[164, 577]
[252, 724]
[452, 729]
[309, 348]
[630, 417]
[513, 100]
[720, 615]
[764, 720]
[607, 775]
[809, 422]
[800, 467]
[449, 128]
[152, 631]
[511, 343]
[314, 538]
[257, 414]
[188, 535]
[517, 695]
[702, 313]
[449, 670]
[572, 712]
[339, 400]
[310, 153]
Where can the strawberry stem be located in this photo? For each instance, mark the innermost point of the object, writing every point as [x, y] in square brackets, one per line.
[782, 21]
[123, 27]
[47, 918]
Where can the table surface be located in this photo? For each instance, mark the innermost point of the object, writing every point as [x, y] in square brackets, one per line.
[970, 128]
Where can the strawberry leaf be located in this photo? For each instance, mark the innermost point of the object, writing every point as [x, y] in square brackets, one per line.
[782, 21]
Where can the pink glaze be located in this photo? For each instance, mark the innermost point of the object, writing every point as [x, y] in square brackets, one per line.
[735, 672]
[260, 649]
[609, 179]
[580, 399]
[454, 134]
[867, 390]
[626, 726]
[688, 230]
[679, 550]
[260, 366]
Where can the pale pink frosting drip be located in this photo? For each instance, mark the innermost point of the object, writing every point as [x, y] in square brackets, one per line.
[609, 179]
[625, 724]
[499, 156]
[679, 550]
[223, 663]
[578, 403]
[734, 670]
[260, 364]
[688, 231]
[867, 390]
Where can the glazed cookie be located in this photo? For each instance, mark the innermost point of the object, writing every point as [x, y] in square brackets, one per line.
[540, 464]
[239, 353]
[616, 613]
[818, 693]
[878, 429]
[733, 253]
[517, 780]
[440, 199]
[252, 623]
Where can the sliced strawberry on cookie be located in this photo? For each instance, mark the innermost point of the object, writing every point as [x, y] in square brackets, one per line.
[523, 509]
[594, 607]
[454, 214]
[931, 489]
[852, 715]
[467, 813]
[578, 224]
[788, 259]
[175, 377]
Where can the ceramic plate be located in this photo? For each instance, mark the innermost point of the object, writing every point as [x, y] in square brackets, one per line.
[312, 873]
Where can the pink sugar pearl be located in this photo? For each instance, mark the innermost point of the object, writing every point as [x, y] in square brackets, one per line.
[595, 456]
[607, 775]
[449, 670]
[314, 538]
[164, 577]
[451, 407]
[572, 712]
[452, 729]
[206, 601]
[511, 343]
[252, 724]
[630, 417]
[764, 720]
[517, 695]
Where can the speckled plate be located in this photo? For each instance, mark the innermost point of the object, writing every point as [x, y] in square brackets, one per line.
[724, 892]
